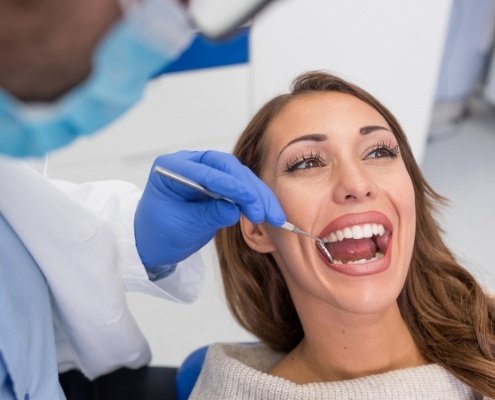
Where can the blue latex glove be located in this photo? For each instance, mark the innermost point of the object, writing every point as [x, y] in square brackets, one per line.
[173, 221]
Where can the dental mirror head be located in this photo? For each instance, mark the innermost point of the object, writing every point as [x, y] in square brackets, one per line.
[215, 19]
[320, 244]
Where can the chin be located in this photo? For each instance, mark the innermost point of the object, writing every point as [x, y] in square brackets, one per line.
[371, 301]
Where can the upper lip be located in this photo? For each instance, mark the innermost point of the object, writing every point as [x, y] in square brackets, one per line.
[349, 220]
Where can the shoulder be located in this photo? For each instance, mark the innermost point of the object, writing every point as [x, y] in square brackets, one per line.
[254, 356]
[234, 371]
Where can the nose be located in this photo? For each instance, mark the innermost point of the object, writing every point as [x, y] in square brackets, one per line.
[353, 184]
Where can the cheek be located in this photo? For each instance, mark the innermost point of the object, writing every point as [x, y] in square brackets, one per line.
[401, 191]
[406, 208]
[298, 201]
[408, 204]
[301, 204]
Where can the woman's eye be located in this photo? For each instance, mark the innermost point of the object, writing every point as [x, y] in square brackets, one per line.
[383, 151]
[305, 162]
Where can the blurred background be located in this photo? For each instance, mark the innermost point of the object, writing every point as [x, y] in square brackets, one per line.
[431, 63]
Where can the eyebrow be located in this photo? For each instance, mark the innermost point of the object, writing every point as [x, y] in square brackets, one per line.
[372, 128]
[320, 137]
[313, 137]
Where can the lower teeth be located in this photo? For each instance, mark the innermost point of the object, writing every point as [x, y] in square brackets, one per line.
[377, 256]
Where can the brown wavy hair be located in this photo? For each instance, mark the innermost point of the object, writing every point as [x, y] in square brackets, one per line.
[450, 317]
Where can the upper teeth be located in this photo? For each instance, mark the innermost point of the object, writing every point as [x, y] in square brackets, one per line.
[355, 232]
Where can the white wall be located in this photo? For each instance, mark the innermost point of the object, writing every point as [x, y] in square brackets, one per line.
[392, 48]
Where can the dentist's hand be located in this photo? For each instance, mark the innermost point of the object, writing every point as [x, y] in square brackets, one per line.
[173, 221]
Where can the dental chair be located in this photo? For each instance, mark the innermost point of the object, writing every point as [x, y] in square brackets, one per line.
[188, 373]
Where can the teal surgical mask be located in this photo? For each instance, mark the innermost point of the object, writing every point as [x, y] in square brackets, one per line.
[151, 34]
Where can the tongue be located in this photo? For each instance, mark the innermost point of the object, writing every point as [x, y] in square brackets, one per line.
[352, 249]
[382, 241]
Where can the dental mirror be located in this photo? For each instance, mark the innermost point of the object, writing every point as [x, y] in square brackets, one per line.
[319, 242]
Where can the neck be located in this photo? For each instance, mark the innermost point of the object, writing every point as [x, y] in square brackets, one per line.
[350, 346]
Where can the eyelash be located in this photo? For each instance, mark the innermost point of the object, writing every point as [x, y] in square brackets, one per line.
[297, 162]
[390, 150]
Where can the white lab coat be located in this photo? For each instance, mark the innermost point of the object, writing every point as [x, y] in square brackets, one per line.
[82, 238]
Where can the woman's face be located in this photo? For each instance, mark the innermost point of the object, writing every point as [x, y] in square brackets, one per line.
[334, 164]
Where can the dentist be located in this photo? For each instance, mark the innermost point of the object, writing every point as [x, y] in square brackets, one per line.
[68, 252]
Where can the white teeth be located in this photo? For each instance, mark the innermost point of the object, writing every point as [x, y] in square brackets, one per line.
[381, 230]
[362, 261]
[375, 229]
[367, 231]
[355, 232]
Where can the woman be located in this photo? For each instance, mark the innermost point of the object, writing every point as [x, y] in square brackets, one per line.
[394, 315]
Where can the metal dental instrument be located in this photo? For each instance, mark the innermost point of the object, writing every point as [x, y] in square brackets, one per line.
[196, 186]
[188, 182]
[319, 242]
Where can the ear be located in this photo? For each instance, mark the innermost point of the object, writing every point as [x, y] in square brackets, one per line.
[256, 236]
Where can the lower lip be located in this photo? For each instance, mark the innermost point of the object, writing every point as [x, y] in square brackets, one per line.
[364, 269]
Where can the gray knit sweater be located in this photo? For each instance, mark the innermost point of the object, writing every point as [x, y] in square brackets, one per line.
[239, 371]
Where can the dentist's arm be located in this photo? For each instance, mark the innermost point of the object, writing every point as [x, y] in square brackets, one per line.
[173, 221]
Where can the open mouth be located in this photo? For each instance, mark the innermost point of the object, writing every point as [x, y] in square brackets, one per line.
[358, 243]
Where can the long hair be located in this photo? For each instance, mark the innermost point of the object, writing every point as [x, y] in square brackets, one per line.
[449, 316]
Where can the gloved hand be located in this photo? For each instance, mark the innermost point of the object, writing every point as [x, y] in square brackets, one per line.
[173, 221]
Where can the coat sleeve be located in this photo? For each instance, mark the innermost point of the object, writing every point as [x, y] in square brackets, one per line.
[115, 202]
[80, 237]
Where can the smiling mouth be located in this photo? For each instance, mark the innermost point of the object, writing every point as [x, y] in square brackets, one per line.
[358, 244]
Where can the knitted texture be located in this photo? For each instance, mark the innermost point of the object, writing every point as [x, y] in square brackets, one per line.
[239, 371]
